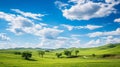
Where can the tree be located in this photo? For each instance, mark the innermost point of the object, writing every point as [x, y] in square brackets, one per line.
[27, 55]
[67, 53]
[58, 55]
[76, 52]
[93, 55]
[41, 53]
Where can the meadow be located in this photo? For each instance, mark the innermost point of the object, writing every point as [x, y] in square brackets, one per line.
[84, 59]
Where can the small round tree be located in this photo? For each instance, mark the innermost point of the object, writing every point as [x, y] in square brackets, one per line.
[76, 52]
[93, 55]
[41, 53]
[27, 55]
[58, 55]
[67, 53]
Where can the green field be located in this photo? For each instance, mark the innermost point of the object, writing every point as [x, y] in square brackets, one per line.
[9, 59]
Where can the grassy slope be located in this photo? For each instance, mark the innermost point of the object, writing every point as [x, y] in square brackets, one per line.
[10, 60]
[106, 49]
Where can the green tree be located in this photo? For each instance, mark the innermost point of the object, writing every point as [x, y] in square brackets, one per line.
[27, 55]
[58, 55]
[93, 55]
[76, 52]
[41, 53]
[67, 53]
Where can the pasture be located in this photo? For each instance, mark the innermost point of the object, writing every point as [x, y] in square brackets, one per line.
[84, 59]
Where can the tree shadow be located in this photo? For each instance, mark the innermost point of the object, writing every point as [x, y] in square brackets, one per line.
[32, 60]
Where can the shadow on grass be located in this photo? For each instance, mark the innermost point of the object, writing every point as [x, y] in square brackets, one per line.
[73, 56]
[31, 60]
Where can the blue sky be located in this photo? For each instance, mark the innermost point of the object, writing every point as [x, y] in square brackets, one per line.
[59, 23]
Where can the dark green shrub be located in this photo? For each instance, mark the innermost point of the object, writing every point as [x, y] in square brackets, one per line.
[76, 52]
[58, 55]
[108, 55]
[67, 53]
[27, 55]
[93, 55]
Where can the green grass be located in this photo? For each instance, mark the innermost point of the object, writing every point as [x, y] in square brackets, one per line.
[8, 59]
[101, 50]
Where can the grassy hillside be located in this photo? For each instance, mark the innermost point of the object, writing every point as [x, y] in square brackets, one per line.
[106, 49]
[9, 59]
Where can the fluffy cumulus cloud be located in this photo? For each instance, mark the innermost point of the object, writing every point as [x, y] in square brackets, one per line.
[16, 22]
[20, 24]
[50, 36]
[109, 33]
[87, 9]
[23, 23]
[90, 27]
[29, 14]
[3, 37]
[117, 20]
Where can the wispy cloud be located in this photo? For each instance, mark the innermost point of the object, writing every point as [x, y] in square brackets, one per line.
[109, 33]
[90, 27]
[61, 5]
[29, 14]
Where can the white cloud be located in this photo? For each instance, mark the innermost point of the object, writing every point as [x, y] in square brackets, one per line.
[117, 20]
[60, 42]
[93, 43]
[49, 33]
[69, 27]
[112, 1]
[110, 39]
[16, 22]
[90, 27]
[95, 34]
[80, 10]
[19, 24]
[3, 37]
[109, 33]
[102, 41]
[4, 45]
[61, 5]
[29, 14]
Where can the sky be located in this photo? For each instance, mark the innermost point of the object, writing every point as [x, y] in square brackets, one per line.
[59, 23]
